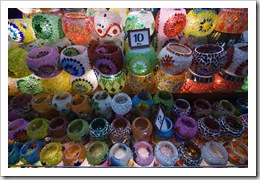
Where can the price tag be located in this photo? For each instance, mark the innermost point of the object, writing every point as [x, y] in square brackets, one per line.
[160, 122]
[139, 38]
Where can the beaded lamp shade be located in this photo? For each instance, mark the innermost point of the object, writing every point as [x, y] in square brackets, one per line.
[108, 25]
[200, 22]
[20, 30]
[78, 27]
[232, 20]
[140, 20]
[17, 67]
[29, 85]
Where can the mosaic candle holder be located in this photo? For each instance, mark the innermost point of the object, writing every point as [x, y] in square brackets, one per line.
[21, 103]
[142, 129]
[13, 153]
[185, 128]
[61, 102]
[244, 120]
[75, 60]
[140, 83]
[143, 102]
[120, 154]
[170, 22]
[99, 129]
[97, 152]
[17, 67]
[163, 100]
[108, 25]
[86, 83]
[237, 153]
[112, 83]
[232, 20]
[143, 153]
[101, 101]
[108, 59]
[208, 128]
[74, 154]
[167, 82]
[166, 153]
[141, 61]
[47, 27]
[121, 103]
[17, 129]
[190, 153]
[231, 126]
[58, 127]
[42, 102]
[200, 22]
[201, 108]
[51, 154]
[175, 58]
[120, 130]
[78, 27]
[222, 107]
[44, 62]
[214, 153]
[167, 133]
[30, 152]
[140, 20]
[13, 114]
[12, 89]
[20, 30]
[37, 128]
[81, 104]
[78, 130]
[29, 85]
[181, 107]
[208, 59]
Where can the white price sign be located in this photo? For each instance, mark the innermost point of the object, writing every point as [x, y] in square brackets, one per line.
[139, 38]
[160, 122]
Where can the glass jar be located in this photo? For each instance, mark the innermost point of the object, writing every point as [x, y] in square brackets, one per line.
[142, 129]
[58, 128]
[190, 153]
[81, 104]
[29, 85]
[12, 89]
[17, 67]
[108, 25]
[17, 130]
[21, 103]
[185, 128]
[86, 83]
[20, 30]
[44, 62]
[119, 155]
[120, 130]
[237, 152]
[78, 130]
[200, 22]
[99, 129]
[37, 128]
[208, 59]
[143, 102]
[232, 20]
[143, 153]
[201, 108]
[74, 154]
[42, 103]
[166, 153]
[112, 83]
[97, 153]
[208, 128]
[140, 83]
[163, 100]
[221, 108]
[181, 107]
[13, 153]
[61, 102]
[101, 101]
[214, 153]
[165, 133]
[78, 27]
[231, 126]
[51, 154]
[30, 152]
[47, 27]
[121, 103]
[108, 59]
[75, 60]
[175, 59]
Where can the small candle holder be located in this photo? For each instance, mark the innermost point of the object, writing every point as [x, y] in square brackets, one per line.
[99, 129]
[51, 154]
[101, 101]
[78, 130]
[119, 155]
[181, 107]
[74, 154]
[97, 153]
[120, 130]
[166, 153]
[42, 103]
[222, 107]
[143, 153]
[81, 104]
[29, 85]
[143, 102]
[37, 128]
[61, 102]
[201, 108]
[121, 103]
[237, 152]
[231, 126]
[58, 128]
[163, 100]
[17, 130]
[142, 129]
[167, 133]
[21, 103]
[13, 153]
[209, 128]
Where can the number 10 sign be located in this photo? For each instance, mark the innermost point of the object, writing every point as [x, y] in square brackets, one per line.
[139, 38]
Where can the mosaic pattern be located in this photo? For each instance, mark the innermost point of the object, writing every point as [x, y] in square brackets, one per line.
[29, 85]
[106, 66]
[209, 130]
[73, 67]
[181, 107]
[140, 83]
[119, 132]
[99, 129]
[231, 126]
[121, 103]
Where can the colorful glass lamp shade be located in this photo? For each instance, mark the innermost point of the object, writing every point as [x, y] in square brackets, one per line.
[29, 85]
[140, 83]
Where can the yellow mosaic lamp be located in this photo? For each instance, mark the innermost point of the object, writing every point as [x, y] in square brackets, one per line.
[200, 22]
[17, 67]
[57, 84]
[20, 30]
